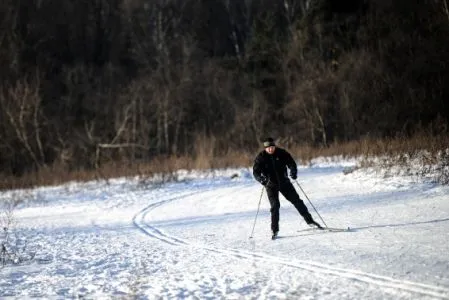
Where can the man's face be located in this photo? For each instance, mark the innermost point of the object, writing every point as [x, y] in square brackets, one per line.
[270, 149]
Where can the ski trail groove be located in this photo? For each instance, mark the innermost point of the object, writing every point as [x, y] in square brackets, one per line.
[381, 281]
[139, 218]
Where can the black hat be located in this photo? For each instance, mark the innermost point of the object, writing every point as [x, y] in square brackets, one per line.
[268, 142]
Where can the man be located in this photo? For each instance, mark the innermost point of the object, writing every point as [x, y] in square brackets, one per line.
[270, 169]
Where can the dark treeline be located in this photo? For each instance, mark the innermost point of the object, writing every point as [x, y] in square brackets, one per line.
[86, 81]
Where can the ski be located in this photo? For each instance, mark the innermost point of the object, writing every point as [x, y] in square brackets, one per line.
[334, 229]
[329, 229]
[312, 230]
[337, 229]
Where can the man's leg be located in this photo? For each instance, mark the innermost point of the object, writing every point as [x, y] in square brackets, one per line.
[291, 195]
[273, 197]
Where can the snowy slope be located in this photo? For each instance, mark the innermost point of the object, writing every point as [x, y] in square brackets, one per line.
[190, 239]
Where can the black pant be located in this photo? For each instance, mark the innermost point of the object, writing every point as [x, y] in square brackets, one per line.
[289, 192]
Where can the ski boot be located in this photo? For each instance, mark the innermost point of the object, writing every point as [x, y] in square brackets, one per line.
[314, 224]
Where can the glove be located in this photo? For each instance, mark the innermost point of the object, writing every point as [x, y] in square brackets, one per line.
[264, 181]
[293, 176]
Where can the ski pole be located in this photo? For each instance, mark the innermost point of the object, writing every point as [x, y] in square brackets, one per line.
[311, 203]
[258, 208]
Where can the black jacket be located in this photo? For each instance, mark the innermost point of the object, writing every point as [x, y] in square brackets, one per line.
[271, 169]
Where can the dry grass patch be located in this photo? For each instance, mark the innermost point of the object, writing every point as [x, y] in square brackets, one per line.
[427, 152]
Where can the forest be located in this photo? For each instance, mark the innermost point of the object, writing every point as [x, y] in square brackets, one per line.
[88, 82]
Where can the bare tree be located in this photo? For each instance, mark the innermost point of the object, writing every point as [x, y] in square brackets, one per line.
[10, 42]
[21, 107]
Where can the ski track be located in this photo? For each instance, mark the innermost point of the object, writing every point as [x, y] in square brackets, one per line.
[139, 221]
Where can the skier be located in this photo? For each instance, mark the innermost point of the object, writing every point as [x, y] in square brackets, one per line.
[270, 169]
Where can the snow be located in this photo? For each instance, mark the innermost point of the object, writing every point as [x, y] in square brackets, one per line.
[189, 239]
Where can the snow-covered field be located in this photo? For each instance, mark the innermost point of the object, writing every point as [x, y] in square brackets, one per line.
[190, 239]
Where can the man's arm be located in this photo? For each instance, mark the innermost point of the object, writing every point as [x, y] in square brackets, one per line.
[291, 164]
[258, 171]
